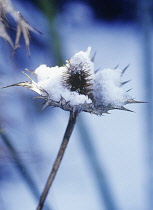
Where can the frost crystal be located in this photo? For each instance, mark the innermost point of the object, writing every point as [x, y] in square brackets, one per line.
[76, 87]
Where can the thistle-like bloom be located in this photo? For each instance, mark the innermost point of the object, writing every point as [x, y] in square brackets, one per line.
[22, 25]
[77, 87]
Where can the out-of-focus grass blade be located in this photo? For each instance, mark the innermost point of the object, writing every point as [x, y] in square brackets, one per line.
[22, 168]
[145, 21]
[101, 180]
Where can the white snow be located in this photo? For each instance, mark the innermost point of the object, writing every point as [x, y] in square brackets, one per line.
[84, 59]
[51, 79]
[108, 89]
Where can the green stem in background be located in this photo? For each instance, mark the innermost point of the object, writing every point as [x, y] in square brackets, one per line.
[24, 172]
[49, 7]
[105, 193]
[66, 138]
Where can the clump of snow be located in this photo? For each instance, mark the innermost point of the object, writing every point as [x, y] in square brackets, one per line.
[82, 59]
[108, 89]
[43, 72]
[51, 79]
[107, 83]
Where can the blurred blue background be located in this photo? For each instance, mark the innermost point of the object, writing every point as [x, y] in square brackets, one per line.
[109, 160]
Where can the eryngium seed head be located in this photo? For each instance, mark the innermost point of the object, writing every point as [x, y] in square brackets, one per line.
[78, 78]
[76, 87]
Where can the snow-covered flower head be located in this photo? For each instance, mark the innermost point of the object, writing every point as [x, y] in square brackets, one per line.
[77, 87]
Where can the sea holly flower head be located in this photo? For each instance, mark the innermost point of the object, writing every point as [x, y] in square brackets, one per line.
[75, 86]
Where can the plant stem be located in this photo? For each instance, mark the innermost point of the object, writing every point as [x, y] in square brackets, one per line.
[67, 135]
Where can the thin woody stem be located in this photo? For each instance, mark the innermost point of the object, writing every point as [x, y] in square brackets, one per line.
[67, 135]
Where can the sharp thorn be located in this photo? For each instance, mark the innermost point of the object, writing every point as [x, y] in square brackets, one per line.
[116, 66]
[129, 90]
[27, 75]
[125, 109]
[132, 101]
[97, 70]
[123, 71]
[45, 105]
[93, 57]
[30, 71]
[123, 83]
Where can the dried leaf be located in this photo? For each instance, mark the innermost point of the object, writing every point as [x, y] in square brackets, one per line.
[4, 34]
[23, 27]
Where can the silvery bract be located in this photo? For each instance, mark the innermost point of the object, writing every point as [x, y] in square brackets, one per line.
[77, 87]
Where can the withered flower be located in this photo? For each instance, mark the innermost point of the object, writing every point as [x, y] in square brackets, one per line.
[76, 87]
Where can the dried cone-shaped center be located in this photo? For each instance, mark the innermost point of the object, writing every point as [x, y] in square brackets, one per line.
[78, 79]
